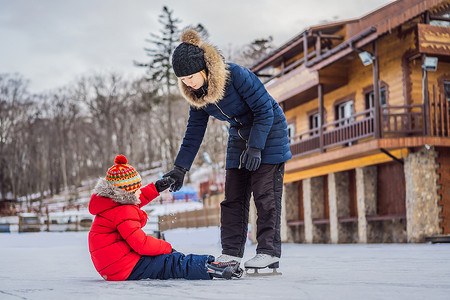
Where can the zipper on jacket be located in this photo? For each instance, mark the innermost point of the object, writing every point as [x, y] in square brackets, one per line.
[222, 111]
[239, 133]
[240, 157]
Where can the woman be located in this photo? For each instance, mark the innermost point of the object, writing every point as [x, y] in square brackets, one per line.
[258, 145]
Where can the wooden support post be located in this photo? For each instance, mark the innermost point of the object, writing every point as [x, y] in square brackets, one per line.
[426, 102]
[376, 91]
[321, 115]
[318, 45]
[305, 47]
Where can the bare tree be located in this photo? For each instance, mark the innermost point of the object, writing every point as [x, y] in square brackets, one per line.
[13, 108]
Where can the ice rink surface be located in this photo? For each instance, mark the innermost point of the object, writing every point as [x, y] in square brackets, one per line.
[58, 266]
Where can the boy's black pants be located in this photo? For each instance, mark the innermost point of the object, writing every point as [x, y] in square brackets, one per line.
[266, 183]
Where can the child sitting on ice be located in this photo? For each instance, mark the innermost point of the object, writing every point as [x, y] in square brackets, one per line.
[120, 249]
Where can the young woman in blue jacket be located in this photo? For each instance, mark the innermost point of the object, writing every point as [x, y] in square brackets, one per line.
[258, 145]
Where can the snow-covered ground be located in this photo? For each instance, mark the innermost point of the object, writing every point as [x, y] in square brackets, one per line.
[57, 265]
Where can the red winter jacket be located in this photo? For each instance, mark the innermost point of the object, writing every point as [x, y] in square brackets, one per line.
[116, 239]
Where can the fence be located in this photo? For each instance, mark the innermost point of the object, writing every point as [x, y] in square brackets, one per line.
[35, 224]
[191, 219]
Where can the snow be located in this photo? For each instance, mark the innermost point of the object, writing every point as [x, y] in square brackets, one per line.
[57, 265]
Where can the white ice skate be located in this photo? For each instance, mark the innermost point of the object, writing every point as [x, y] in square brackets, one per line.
[227, 258]
[262, 261]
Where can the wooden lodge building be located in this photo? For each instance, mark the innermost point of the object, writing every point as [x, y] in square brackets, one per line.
[367, 104]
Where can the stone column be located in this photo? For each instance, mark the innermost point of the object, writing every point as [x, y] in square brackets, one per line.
[289, 210]
[307, 210]
[339, 202]
[422, 209]
[313, 207]
[366, 194]
[332, 198]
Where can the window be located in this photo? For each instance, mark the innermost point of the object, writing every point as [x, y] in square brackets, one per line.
[370, 98]
[314, 123]
[344, 112]
[291, 131]
[447, 89]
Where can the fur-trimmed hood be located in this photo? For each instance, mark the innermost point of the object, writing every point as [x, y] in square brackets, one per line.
[218, 73]
[105, 189]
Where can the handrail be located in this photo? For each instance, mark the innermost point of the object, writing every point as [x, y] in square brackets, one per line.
[360, 126]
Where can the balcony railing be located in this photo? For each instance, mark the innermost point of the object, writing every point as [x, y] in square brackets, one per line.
[395, 121]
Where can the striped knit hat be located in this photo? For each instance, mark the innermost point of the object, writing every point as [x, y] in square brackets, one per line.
[123, 176]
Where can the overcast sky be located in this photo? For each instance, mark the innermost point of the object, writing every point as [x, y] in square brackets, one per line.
[54, 42]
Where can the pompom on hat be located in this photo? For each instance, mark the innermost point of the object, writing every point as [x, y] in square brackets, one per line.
[187, 59]
[124, 176]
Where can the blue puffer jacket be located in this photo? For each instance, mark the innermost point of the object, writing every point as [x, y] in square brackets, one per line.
[256, 120]
[237, 96]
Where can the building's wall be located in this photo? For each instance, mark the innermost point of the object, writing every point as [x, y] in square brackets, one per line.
[422, 209]
[391, 49]
[401, 72]
[292, 202]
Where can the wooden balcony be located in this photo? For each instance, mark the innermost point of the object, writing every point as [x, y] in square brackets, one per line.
[395, 122]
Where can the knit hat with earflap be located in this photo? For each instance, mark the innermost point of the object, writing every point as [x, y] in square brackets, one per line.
[187, 59]
[124, 176]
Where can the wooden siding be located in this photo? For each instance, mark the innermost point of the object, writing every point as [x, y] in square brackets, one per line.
[297, 80]
[360, 155]
[343, 165]
[358, 76]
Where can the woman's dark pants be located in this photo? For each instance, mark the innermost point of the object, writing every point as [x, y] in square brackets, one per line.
[266, 183]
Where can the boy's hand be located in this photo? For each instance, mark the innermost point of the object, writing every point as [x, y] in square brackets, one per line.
[163, 184]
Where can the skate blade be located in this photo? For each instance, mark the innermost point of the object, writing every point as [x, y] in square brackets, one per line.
[255, 272]
[238, 273]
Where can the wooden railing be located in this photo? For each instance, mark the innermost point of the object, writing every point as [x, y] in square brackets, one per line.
[350, 129]
[439, 114]
[395, 121]
[402, 120]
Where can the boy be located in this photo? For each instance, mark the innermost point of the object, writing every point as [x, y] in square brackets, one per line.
[120, 249]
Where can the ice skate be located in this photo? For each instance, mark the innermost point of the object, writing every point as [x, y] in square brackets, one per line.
[228, 258]
[226, 270]
[262, 261]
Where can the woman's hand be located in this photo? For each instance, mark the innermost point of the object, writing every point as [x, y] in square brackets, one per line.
[163, 184]
[177, 174]
[252, 158]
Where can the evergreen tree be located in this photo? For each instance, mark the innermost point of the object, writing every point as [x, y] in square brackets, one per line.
[257, 50]
[159, 69]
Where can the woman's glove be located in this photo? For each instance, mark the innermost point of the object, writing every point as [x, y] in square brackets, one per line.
[252, 158]
[162, 184]
[177, 174]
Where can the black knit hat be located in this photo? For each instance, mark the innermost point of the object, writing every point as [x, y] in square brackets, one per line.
[187, 59]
